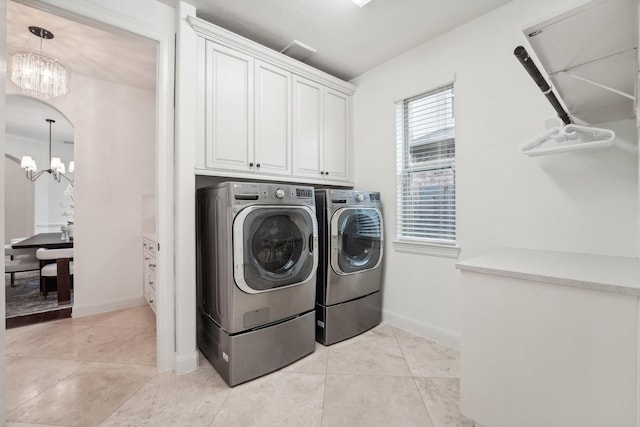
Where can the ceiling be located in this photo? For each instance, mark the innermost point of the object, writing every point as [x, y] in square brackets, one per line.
[26, 118]
[114, 56]
[349, 40]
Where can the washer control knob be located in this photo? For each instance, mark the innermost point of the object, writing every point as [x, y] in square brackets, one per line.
[279, 193]
[359, 197]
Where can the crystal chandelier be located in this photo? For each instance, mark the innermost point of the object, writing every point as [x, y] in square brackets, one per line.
[56, 167]
[38, 74]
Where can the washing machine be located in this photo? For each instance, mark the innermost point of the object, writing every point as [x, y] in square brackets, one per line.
[349, 282]
[256, 276]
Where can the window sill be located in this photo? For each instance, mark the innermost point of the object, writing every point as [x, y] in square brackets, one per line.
[425, 248]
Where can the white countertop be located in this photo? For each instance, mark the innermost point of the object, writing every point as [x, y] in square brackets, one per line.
[598, 272]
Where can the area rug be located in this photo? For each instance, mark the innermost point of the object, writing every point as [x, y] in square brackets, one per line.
[24, 298]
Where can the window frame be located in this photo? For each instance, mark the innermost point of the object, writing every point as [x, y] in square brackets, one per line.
[405, 167]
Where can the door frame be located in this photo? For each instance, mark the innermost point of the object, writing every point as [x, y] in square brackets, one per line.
[95, 15]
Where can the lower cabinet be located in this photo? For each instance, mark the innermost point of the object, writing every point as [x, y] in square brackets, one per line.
[149, 271]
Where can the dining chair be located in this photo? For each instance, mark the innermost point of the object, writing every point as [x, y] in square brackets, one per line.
[50, 270]
[19, 260]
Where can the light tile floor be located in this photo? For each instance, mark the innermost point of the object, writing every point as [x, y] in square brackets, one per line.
[100, 370]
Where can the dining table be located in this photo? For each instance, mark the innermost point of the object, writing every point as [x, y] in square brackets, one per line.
[53, 241]
[44, 240]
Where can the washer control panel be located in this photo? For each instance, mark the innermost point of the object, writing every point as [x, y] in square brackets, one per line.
[353, 198]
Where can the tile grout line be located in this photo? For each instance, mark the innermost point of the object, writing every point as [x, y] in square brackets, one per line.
[128, 398]
[324, 393]
[41, 391]
[84, 364]
[413, 377]
[221, 405]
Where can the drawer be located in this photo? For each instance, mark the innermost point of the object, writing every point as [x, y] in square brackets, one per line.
[149, 247]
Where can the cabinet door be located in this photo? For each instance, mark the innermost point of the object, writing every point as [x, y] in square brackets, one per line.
[336, 135]
[307, 127]
[272, 119]
[229, 109]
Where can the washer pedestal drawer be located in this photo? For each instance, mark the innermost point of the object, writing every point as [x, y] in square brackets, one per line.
[244, 356]
[345, 320]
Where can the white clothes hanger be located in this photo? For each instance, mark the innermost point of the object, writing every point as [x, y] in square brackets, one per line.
[564, 136]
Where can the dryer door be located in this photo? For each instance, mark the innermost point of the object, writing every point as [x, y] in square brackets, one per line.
[356, 240]
[274, 247]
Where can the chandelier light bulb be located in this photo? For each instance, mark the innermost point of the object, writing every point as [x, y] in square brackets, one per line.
[26, 162]
[55, 163]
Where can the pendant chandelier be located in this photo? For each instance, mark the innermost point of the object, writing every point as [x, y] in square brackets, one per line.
[56, 167]
[38, 74]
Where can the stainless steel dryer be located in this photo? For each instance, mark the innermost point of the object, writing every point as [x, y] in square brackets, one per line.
[348, 290]
[256, 276]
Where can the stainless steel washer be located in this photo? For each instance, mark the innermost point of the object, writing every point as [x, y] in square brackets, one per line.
[349, 283]
[256, 276]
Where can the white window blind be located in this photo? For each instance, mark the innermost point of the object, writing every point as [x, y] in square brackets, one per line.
[426, 150]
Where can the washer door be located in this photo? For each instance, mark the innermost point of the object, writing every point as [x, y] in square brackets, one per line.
[274, 247]
[356, 240]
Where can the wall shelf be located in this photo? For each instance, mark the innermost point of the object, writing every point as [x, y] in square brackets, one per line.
[590, 56]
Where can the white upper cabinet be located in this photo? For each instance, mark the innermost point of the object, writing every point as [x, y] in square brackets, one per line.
[337, 131]
[229, 112]
[307, 128]
[266, 116]
[248, 115]
[272, 119]
[321, 131]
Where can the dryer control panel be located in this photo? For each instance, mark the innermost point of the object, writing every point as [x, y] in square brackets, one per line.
[286, 193]
[354, 198]
[271, 193]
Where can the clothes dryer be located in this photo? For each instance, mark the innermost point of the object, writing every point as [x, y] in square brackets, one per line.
[256, 275]
[349, 282]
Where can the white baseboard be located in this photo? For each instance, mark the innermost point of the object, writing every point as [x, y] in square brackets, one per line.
[427, 330]
[103, 307]
[186, 363]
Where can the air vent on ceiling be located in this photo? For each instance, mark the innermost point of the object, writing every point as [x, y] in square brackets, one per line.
[298, 50]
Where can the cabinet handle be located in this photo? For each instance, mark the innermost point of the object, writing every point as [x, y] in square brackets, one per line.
[258, 165]
[321, 172]
[326, 173]
[152, 265]
[251, 164]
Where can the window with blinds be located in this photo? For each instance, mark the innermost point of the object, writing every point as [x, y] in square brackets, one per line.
[426, 151]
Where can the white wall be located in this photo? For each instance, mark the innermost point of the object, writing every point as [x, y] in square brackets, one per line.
[582, 202]
[115, 168]
[19, 202]
[115, 171]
